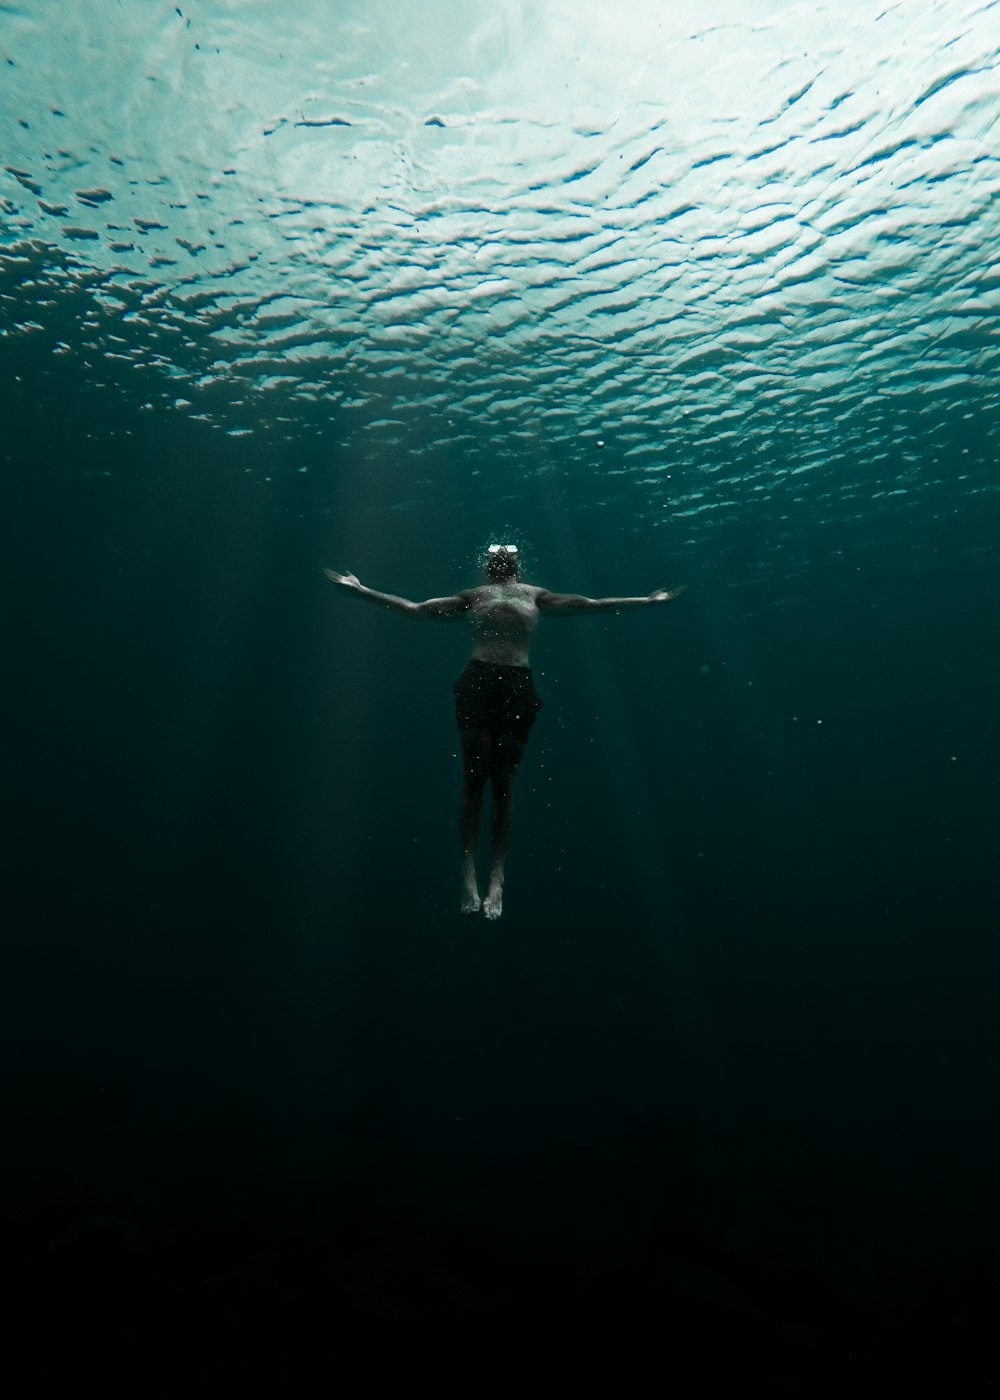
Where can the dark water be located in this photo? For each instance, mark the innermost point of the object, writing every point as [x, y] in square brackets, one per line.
[717, 1093]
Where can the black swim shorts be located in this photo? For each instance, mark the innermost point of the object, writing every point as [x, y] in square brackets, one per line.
[501, 699]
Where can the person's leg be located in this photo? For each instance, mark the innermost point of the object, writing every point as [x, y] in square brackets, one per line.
[505, 756]
[475, 771]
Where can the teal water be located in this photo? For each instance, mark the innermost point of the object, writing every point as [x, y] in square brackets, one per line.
[666, 296]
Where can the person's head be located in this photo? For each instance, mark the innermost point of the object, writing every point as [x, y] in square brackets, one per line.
[500, 563]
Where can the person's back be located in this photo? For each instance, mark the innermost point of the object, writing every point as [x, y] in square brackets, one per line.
[495, 700]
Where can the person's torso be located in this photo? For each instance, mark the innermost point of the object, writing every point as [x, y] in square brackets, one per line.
[503, 617]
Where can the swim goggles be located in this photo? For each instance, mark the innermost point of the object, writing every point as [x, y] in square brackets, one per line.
[502, 549]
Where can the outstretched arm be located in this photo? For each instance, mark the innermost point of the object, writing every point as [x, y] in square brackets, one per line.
[562, 603]
[433, 607]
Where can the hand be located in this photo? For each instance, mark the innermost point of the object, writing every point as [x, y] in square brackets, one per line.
[664, 595]
[347, 580]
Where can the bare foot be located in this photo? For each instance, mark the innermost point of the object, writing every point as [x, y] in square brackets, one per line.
[493, 905]
[471, 903]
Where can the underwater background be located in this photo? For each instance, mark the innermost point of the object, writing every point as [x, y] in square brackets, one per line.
[699, 294]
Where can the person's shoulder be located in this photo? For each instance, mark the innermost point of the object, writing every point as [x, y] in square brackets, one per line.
[523, 592]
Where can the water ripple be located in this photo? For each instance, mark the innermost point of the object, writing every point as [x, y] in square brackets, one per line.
[708, 240]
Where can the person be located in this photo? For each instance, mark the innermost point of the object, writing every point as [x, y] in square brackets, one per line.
[495, 700]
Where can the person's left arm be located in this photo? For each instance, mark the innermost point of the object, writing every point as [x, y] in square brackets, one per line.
[560, 604]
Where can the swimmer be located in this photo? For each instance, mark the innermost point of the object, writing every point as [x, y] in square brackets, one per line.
[495, 699]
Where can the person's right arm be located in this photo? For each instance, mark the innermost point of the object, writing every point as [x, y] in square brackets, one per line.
[433, 607]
